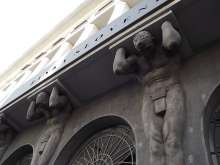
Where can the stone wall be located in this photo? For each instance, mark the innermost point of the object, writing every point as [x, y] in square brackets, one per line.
[199, 77]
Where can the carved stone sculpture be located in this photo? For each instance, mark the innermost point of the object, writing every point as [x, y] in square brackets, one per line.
[56, 108]
[6, 135]
[163, 101]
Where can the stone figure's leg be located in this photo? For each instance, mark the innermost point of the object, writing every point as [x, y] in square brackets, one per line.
[50, 147]
[3, 149]
[36, 156]
[156, 141]
[174, 125]
[153, 125]
[6, 138]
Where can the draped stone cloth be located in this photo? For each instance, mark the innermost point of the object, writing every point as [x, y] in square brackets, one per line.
[163, 114]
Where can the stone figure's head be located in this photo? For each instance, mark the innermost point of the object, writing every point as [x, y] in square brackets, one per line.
[38, 107]
[144, 42]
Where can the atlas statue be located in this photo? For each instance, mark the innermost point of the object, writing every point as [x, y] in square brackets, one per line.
[56, 108]
[157, 67]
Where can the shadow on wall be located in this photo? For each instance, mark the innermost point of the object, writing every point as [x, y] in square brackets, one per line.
[22, 156]
[85, 133]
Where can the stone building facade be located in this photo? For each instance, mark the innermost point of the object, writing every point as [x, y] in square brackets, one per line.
[144, 90]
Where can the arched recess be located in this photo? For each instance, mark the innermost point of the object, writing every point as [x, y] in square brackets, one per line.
[100, 126]
[211, 122]
[22, 156]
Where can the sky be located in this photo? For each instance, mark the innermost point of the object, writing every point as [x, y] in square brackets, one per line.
[24, 22]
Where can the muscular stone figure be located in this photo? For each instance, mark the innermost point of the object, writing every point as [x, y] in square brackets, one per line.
[163, 101]
[56, 109]
[5, 140]
[6, 135]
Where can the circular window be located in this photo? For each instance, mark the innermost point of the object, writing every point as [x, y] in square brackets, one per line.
[112, 146]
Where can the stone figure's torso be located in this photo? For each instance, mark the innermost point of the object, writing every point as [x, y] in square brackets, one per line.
[55, 125]
[159, 79]
[161, 70]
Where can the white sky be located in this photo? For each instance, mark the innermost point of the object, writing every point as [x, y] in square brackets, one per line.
[24, 22]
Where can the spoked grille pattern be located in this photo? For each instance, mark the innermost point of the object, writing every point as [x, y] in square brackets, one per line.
[113, 146]
[26, 160]
[214, 133]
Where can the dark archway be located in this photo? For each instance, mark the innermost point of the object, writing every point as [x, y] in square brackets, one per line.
[22, 156]
[100, 128]
[212, 127]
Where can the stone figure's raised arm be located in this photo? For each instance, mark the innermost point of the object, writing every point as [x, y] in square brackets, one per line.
[39, 108]
[31, 112]
[57, 100]
[123, 63]
[171, 38]
[42, 103]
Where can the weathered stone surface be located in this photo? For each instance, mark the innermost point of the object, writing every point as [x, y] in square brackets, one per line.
[126, 101]
[171, 37]
[42, 100]
[163, 102]
[6, 134]
[122, 64]
[56, 100]
[56, 109]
